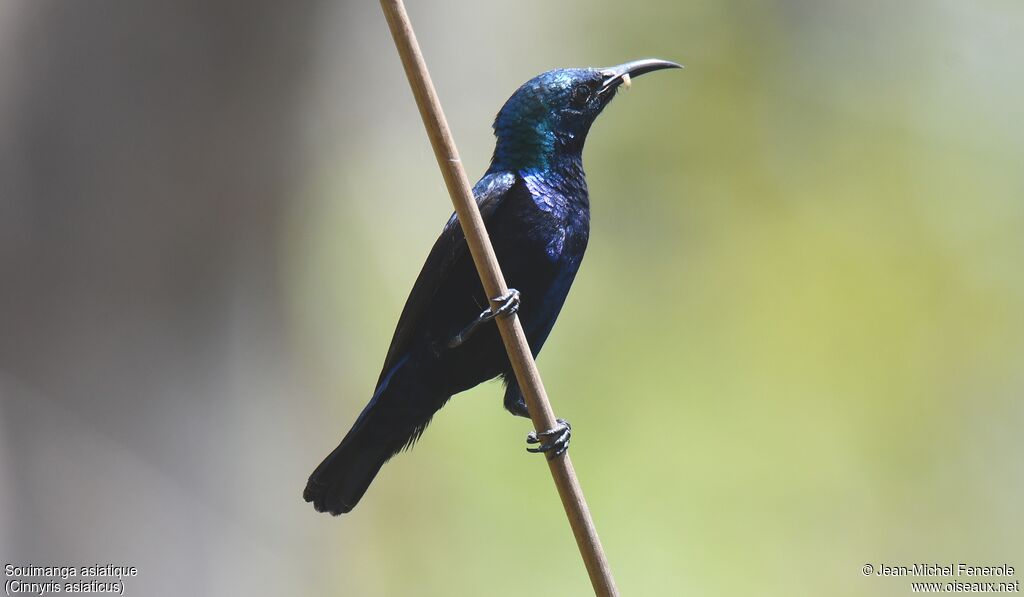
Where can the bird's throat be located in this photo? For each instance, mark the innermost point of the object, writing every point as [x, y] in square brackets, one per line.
[529, 146]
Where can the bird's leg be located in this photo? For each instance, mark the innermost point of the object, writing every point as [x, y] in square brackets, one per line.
[514, 401]
[508, 304]
[553, 442]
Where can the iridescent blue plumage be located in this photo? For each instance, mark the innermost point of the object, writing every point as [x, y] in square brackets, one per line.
[535, 205]
[540, 122]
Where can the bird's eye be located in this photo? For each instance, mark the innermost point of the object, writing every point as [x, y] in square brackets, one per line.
[580, 95]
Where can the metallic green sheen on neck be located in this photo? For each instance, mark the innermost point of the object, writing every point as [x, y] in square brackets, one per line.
[524, 145]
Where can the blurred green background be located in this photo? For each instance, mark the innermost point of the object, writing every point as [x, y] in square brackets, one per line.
[796, 344]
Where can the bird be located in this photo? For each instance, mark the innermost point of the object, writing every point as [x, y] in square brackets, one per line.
[536, 209]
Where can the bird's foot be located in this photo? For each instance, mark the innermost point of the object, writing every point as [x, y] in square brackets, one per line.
[508, 304]
[553, 442]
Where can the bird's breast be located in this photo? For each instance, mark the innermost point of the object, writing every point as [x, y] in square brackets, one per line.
[559, 214]
[556, 245]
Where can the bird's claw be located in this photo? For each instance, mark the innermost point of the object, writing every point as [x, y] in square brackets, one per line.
[507, 304]
[553, 442]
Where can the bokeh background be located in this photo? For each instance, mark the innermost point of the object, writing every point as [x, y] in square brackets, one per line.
[796, 345]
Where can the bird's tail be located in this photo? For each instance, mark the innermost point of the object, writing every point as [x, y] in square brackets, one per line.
[383, 429]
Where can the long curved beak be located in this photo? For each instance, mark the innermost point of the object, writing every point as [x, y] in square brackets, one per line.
[615, 75]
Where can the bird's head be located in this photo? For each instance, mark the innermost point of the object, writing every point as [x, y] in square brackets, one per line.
[550, 115]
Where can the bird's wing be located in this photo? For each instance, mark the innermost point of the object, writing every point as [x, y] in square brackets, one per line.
[448, 250]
